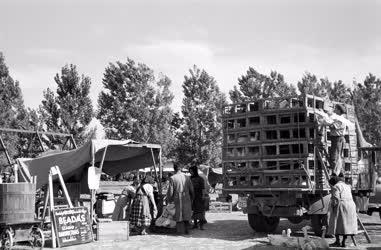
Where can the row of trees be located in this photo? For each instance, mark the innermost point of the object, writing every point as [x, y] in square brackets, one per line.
[136, 104]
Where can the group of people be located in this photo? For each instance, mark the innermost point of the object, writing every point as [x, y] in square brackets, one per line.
[137, 202]
[190, 198]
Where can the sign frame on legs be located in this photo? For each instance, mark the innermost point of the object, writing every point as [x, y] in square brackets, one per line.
[72, 226]
[54, 214]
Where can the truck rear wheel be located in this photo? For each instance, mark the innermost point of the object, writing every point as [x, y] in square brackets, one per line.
[261, 223]
[317, 222]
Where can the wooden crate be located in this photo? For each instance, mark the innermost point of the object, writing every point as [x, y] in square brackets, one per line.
[108, 230]
[220, 207]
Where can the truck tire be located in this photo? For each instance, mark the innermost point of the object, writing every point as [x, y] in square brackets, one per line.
[261, 223]
[295, 219]
[317, 222]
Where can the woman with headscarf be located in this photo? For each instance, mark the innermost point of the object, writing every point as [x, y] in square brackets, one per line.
[342, 211]
[140, 212]
[123, 205]
[198, 203]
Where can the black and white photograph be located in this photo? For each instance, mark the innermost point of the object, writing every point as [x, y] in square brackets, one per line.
[190, 124]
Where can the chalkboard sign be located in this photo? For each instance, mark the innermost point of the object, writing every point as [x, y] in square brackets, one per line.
[73, 226]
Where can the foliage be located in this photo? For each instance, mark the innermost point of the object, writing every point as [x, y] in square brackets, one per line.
[322, 87]
[201, 135]
[70, 109]
[12, 111]
[367, 101]
[135, 105]
[340, 93]
[254, 85]
[312, 86]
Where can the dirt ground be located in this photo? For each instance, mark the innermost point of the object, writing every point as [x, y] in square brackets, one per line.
[227, 231]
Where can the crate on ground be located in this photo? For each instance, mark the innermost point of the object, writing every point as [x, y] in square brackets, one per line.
[220, 207]
[108, 230]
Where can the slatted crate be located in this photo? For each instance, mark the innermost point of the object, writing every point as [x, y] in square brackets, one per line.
[278, 135]
[220, 207]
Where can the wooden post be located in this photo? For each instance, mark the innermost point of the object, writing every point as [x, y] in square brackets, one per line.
[30, 142]
[63, 145]
[64, 187]
[92, 198]
[5, 150]
[46, 202]
[15, 168]
[363, 229]
[51, 198]
[158, 184]
[156, 175]
[73, 141]
[92, 195]
[40, 142]
[160, 166]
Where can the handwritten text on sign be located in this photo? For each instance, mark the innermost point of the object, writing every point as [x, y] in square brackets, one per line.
[72, 226]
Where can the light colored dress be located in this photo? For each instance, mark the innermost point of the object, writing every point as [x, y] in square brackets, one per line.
[342, 211]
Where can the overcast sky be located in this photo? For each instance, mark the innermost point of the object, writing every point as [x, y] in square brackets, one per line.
[338, 39]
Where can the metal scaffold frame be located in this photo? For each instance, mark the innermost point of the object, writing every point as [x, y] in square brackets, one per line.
[35, 134]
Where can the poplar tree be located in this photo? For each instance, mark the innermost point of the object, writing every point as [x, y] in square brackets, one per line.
[135, 105]
[367, 101]
[69, 109]
[12, 111]
[200, 139]
[254, 85]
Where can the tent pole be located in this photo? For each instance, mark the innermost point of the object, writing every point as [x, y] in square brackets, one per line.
[92, 195]
[158, 182]
[156, 175]
[103, 158]
[160, 166]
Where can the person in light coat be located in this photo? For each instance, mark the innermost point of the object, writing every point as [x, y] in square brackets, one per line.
[180, 191]
[342, 211]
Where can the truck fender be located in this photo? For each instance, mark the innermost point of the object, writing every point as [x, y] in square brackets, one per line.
[320, 205]
[252, 206]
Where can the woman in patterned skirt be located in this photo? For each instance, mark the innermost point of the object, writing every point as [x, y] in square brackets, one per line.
[140, 211]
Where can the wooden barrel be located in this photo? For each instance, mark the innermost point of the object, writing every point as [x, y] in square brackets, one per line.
[17, 202]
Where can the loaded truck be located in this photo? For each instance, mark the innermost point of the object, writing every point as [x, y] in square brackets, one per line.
[275, 157]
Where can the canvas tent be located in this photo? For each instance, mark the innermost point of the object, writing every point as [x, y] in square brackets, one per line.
[119, 156]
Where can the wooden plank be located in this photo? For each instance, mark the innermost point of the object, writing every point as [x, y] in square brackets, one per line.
[363, 228]
[112, 230]
[32, 132]
[220, 207]
[268, 189]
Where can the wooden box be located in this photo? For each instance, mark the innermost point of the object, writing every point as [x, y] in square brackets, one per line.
[108, 230]
[220, 207]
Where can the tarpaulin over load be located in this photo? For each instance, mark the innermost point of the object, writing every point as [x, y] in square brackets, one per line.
[121, 156]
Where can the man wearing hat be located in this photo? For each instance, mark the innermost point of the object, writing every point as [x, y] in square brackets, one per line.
[339, 127]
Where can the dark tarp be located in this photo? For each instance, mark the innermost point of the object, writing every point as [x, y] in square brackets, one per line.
[121, 156]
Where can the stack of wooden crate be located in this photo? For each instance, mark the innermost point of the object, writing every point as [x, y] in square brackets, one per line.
[271, 144]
